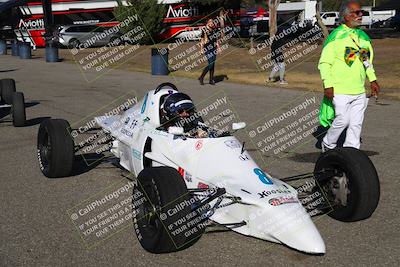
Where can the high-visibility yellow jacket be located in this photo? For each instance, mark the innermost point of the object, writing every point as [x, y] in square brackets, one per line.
[342, 61]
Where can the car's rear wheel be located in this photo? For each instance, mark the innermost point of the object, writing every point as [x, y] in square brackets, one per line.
[353, 193]
[18, 109]
[158, 223]
[55, 148]
[7, 90]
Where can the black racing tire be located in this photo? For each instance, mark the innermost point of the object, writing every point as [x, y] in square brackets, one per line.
[18, 109]
[55, 148]
[161, 188]
[7, 90]
[362, 179]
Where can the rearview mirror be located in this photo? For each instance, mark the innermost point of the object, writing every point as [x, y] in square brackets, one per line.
[238, 126]
[176, 130]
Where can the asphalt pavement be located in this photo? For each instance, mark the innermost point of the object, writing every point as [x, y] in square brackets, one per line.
[36, 224]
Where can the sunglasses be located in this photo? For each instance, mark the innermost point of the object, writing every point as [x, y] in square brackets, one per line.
[357, 12]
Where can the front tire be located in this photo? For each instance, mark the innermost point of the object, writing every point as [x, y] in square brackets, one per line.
[359, 180]
[18, 109]
[55, 148]
[7, 90]
[162, 189]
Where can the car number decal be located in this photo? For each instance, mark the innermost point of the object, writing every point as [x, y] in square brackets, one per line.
[262, 176]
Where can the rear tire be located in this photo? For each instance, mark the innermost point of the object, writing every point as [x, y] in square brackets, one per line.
[7, 90]
[162, 189]
[55, 148]
[18, 109]
[362, 182]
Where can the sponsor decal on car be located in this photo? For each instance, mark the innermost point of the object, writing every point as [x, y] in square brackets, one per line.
[202, 185]
[137, 154]
[267, 193]
[276, 201]
[133, 124]
[198, 145]
[157, 132]
[144, 103]
[233, 144]
[188, 177]
[181, 171]
[126, 132]
[244, 157]
[263, 177]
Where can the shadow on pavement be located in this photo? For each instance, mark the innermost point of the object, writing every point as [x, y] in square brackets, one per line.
[86, 162]
[35, 121]
[8, 70]
[220, 78]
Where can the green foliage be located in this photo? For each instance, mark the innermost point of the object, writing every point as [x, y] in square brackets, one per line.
[150, 16]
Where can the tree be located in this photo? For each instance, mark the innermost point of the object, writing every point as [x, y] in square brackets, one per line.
[273, 11]
[319, 19]
[149, 16]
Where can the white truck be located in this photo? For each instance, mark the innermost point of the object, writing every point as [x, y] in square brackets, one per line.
[330, 18]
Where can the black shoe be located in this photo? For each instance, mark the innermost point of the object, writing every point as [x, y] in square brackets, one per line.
[212, 82]
[201, 81]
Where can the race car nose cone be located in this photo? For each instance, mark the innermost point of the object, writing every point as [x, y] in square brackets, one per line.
[297, 230]
[302, 235]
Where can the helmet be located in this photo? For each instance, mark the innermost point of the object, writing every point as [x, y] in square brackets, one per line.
[176, 103]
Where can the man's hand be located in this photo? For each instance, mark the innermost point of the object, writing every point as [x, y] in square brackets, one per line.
[328, 93]
[375, 88]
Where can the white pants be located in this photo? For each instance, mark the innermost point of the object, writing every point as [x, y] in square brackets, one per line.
[349, 112]
[278, 66]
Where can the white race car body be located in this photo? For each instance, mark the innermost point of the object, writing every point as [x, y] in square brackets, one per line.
[214, 162]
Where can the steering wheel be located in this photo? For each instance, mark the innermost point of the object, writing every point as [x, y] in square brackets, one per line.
[161, 86]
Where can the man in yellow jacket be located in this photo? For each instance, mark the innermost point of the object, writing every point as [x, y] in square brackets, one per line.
[345, 63]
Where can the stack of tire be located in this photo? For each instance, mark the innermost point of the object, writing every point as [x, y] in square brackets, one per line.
[9, 96]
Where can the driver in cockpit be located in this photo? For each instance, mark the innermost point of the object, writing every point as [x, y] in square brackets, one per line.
[179, 110]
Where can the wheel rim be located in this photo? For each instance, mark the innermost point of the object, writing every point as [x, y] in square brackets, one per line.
[336, 189]
[147, 217]
[45, 151]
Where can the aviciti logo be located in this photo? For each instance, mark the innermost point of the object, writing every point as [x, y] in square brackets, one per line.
[31, 24]
[182, 11]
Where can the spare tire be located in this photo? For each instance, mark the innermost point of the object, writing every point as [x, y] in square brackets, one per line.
[7, 90]
[162, 190]
[18, 109]
[358, 178]
[55, 148]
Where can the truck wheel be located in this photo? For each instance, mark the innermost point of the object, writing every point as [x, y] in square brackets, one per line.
[7, 90]
[353, 194]
[18, 109]
[55, 148]
[158, 222]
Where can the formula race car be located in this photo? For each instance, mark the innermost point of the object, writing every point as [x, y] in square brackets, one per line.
[187, 182]
[10, 99]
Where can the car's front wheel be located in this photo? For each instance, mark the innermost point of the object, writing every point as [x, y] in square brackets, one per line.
[165, 220]
[18, 109]
[55, 148]
[7, 90]
[353, 191]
